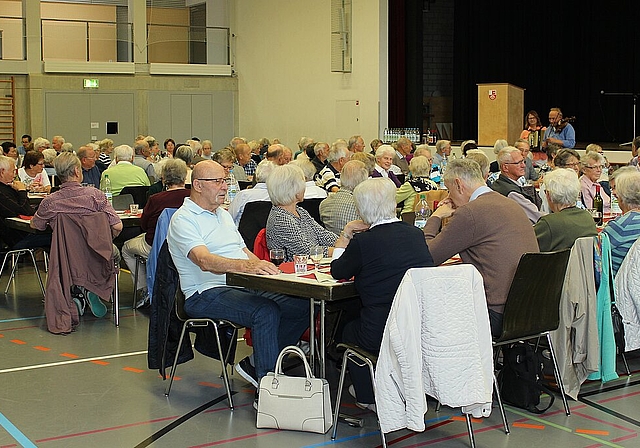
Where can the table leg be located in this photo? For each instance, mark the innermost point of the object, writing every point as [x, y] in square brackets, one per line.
[322, 342]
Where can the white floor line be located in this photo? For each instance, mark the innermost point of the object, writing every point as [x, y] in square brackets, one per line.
[72, 361]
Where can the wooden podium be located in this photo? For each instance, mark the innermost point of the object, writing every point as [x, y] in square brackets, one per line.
[500, 113]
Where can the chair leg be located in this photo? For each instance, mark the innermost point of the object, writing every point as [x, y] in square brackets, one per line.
[373, 383]
[35, 266]
[116, 299]
[14, 266]
[135, 284]
[336, 413]
[501, 405]
[175, 360]
[472, 439]
[556, 371]
[626, 365]
[224, 366]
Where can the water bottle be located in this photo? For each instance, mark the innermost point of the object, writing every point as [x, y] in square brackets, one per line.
[232, 188]
[105, 186]
[443, 169]
[422, 211]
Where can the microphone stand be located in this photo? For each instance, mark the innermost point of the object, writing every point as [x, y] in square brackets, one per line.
[635, 100]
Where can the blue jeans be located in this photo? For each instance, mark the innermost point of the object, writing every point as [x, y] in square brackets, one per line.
[276, 320]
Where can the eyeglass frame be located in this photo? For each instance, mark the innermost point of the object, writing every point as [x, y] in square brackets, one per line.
[594, 167]
[515, 163]
[216, 180]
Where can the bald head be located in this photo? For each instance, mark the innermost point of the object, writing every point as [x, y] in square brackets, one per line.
[208, 187]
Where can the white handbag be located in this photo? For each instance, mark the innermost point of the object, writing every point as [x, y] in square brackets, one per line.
[292, 402]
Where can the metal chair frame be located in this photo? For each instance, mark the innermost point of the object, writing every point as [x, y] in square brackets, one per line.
[189, 322]
[15, 254]
[143, 260]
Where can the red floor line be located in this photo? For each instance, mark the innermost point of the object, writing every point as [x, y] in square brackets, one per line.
[236, 439]
[618, 397]
[604, 422]
[112, 428]
[455, 436]
[619, 439]
[21, 328]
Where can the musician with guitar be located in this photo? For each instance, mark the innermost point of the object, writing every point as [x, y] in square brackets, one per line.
[560, 130]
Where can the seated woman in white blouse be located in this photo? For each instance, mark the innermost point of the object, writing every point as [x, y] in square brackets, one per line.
[32, 173]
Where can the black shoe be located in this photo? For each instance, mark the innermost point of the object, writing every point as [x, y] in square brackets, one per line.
[247, 371]
[143, 300]
[255, 401]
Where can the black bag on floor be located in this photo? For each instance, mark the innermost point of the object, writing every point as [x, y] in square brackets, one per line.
[520, 378]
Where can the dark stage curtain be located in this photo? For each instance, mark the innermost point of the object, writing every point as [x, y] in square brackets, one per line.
[564, 53]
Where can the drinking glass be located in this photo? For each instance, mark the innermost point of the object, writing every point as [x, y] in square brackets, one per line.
[277, 256]
[316, 253]
[134, 209]
[300, 263]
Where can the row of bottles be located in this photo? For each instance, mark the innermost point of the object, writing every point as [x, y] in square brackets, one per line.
[391, 135]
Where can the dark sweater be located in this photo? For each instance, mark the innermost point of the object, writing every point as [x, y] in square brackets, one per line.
[378, 259]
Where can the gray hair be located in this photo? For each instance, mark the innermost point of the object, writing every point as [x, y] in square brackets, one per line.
[628, 188]
[467, 170]
[304, 142]
[337, 151]
[185, 153]
[499, 144]
[595, 156]
[504, 155]
[319, 147]
[65, 165]
[174, 172]
[236, 141]
[353, 173]
[50, 154]
[140, 145]
[40, 142]
[7, 163]
[625, 169]
[441, 144]
[308, 168]
[366, 158]
[353, 140]
[264, 169]
[195, 146]
[385, 150]
[105, 144]
[67, 147]
[421, 150]
[420, 166]
[481, 158]
[123, 152]
[285, 184]
[593, 147]
[563, 186]
[375, 199]
[224, 155]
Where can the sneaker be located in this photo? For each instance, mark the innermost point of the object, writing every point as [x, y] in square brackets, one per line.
[80, 304]
[98, 308]
[247, 371]
[366, 406]
[144, 300]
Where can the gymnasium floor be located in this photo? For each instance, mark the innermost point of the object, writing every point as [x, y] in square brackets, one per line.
[93, 388]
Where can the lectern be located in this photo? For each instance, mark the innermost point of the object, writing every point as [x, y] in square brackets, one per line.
[500, 113]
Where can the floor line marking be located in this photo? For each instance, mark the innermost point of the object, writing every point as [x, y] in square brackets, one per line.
[236, 439]
[527, 425]
[15, 432]
[611, 412]
[564, 428]
[618, 397]
[71, 361]
[596, 432]
[604, 422]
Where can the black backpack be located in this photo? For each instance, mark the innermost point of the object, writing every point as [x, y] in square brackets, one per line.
[520, 378]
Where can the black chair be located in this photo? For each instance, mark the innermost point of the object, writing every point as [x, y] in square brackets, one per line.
[122, 202]
[244, 184]
[253, 219]
[313, 207]
[139, 193]
[532, 309]
[217, 325]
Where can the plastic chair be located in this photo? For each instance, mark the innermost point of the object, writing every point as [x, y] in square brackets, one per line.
[122, 201]
[313, 207]
[138, 192]
[217, 324]
[254, 217]
[532, 309]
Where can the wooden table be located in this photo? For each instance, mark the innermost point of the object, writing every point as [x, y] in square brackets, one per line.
[293, 285]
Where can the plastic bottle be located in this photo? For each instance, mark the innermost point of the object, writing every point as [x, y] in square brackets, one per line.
[615, 205]
[105, 186]
[443, 169]
[422, 211]
[232, 188]
[598, 204]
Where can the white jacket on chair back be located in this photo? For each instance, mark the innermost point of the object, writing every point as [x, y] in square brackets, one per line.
[437, 341]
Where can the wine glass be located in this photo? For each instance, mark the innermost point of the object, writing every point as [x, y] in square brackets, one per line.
[316, 253]
[277, 256]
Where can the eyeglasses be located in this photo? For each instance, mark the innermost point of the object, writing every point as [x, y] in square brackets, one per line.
[521, 162]
[227, 167]
[216, 181]
[573, 165]
[594, 167]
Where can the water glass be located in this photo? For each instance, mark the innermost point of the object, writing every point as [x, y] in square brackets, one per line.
[134, 209]
[300, 263]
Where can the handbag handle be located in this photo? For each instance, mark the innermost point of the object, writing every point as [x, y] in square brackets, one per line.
[293, 350]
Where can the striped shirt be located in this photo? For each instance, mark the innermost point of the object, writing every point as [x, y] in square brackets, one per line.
[623, 232]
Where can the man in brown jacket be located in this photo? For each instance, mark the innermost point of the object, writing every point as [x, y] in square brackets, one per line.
[487, 229]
